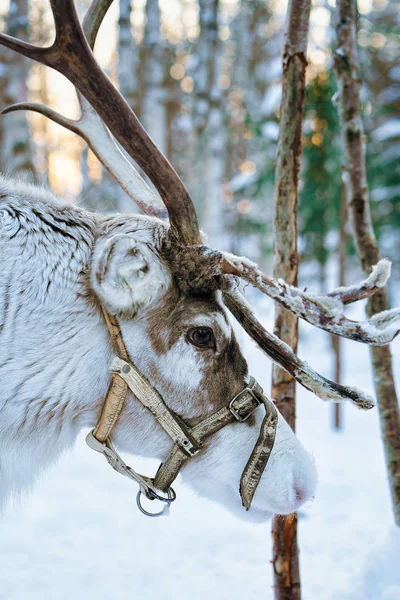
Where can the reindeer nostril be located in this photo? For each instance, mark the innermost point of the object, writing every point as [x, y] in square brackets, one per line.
[300, 493]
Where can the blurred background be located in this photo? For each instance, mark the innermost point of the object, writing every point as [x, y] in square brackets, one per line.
[205, 82]
[204, 78]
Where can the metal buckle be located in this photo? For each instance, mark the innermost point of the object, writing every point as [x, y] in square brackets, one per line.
[234, 410]
[190, 450]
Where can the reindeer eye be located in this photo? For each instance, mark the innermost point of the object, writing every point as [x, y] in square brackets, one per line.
[202, 337]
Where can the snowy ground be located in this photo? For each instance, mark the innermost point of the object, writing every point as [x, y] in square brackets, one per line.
[79, 534]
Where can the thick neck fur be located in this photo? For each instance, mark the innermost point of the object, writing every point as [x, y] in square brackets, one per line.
[54, 347]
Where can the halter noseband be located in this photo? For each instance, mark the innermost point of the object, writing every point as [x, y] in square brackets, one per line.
[188, 441]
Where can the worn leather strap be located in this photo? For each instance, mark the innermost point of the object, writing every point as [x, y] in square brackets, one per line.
[123, 375]
[259, 457]
[118, 389]
[117, 341]
[187, 441]
[112, 407]
[151, 399]
[239, 409]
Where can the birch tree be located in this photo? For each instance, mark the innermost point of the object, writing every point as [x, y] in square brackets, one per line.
[209, 128]
[127, 55]
[154, 113]
[286, 259]
[215, 160]
[16, 143]
[355, 178]
[127, 81]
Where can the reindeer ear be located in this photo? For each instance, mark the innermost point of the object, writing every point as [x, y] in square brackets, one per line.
[127, 276]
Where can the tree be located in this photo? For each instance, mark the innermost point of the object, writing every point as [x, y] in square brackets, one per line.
[154, 113]
[16, 143]
[347, 71]
[286, 259]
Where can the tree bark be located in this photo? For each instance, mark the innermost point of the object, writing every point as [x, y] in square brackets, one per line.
[208, 135]
[337, 343]
[127, 57]
[286, 260]
[215, 134]
[154, 113]
[128, 84]
[347, 72]
[16, 143]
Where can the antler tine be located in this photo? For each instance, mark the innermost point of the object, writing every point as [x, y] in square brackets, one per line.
[25, 48]
[326, 311]
[71, 55]
[283, 355]
[94, 18]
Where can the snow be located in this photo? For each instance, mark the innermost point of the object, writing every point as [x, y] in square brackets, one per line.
[379, 578]
[380, 273]
[394, 73]
[241, 181]
[272, 99]
[388, 129]
[79, 534]
[270, 130]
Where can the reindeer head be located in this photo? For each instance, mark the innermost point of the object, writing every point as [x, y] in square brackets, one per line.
[163, 293]
[183, 343]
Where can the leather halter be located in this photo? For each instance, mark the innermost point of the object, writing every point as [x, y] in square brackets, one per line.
[188, 441]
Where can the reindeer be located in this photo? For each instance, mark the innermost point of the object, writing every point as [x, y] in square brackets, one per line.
[119, 324]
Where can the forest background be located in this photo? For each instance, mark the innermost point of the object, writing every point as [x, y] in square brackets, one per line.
[205, 81]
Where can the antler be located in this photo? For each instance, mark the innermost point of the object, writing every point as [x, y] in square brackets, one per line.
[91, 128]
[71, 55]
[282, 354]
[326, 311]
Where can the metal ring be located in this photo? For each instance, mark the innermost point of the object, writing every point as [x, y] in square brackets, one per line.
[171, 495]
[169, 499]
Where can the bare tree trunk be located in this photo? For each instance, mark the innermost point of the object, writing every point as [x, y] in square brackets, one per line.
[286, 260]
[128, 84]
[86, 183]
[204, 76]
[40, 35]
[215, 163]
[347, 71]
[154, 113]
[206, 62]
[16, 143]
[212, 117]
[336, 340]
[127, 57]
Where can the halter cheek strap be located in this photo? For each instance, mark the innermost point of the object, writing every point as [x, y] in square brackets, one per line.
[187, 441]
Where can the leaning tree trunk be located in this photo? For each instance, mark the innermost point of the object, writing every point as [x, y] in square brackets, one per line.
[347, 71]
[286, 260]
[16, 142]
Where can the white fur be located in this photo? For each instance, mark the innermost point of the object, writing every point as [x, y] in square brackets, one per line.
[132, 276]
[182, 372]
[55, 352]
